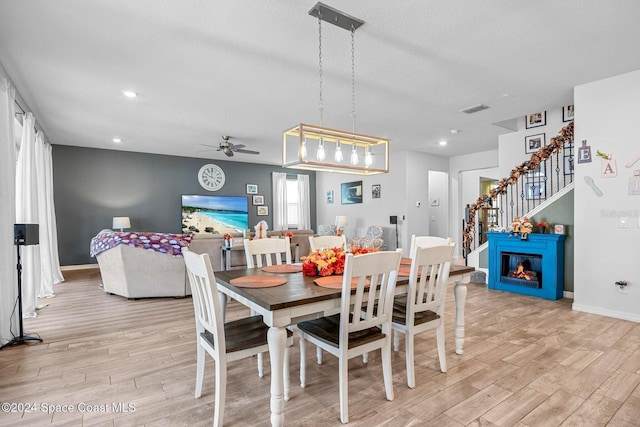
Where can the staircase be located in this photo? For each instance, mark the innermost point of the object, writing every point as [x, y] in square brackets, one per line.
[530, 186]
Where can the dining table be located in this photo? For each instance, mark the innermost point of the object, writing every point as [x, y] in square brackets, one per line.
[299, 298]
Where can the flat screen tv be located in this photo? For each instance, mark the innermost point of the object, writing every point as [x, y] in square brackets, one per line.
[214, 214]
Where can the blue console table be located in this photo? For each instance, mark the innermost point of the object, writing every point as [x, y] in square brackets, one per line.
[542, 253]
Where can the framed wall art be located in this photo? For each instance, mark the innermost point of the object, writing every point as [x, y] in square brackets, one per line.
[330, 197]
[375, 191]
[536, 119]
[533, 143]
[263, 210]
[567, 113]
[351, 192]
[252, 188]
[258, 200]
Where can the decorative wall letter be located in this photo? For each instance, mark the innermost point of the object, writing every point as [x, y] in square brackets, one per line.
[584, 153]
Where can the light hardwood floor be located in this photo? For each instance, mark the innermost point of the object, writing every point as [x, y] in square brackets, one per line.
[527, 362]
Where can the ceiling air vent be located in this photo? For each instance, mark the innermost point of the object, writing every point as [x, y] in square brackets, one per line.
[474, 109]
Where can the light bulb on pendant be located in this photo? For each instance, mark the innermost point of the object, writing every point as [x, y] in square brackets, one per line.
[368, 159]
[303, 149]
[320, 155]
[354, 155]
[337, 157]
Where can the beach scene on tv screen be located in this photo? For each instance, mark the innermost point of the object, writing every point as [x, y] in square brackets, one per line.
[214, 214]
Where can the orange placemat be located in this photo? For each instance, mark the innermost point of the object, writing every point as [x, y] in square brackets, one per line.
[404, 270]
[335, 282]
[405, 261]
[258, 281]
[284, 268]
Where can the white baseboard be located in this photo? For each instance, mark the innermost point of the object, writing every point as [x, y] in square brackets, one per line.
[608, 313]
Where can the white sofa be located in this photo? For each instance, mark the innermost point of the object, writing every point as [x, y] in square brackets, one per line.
[134, 272]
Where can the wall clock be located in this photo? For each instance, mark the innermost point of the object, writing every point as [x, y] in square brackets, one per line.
[211, 177]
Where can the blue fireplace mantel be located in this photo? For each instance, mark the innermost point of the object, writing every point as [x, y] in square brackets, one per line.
[550, 247]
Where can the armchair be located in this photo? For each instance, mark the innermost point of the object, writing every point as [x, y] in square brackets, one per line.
[372, 239]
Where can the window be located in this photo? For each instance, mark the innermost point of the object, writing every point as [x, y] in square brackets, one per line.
[292, 203]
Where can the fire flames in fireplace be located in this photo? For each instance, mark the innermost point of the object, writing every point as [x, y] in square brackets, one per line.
[521, 273]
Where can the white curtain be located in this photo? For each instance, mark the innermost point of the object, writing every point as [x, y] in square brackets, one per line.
[27, 213]
[304, 204]
[280, 201]
[8, 275]
[49, 259]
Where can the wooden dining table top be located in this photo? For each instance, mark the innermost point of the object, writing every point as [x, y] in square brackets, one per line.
[299, 289]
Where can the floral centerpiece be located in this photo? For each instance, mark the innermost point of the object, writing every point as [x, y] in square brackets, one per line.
[329, 261]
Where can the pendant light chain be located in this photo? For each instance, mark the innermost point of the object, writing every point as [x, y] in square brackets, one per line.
[320, 105]
[353, 76]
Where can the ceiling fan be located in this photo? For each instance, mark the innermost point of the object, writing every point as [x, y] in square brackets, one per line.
[229, 148]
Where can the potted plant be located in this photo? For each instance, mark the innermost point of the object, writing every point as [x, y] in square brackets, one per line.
[542, 226]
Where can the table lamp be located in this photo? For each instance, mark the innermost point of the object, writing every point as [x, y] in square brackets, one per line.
[341, 222]
[121, 222]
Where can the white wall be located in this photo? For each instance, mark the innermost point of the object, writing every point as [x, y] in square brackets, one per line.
[404, 185]
[606, 117]
[438, 204]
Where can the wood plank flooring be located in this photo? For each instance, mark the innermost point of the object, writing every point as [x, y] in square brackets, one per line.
[527, 362]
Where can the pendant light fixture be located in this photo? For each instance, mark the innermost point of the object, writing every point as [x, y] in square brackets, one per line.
[298, 141]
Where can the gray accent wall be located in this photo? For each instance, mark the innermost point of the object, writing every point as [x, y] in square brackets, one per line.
[91, 186]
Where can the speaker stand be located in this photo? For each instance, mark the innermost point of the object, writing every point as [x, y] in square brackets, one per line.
[22, 337]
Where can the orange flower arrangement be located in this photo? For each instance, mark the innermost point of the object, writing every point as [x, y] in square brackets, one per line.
[288, 234]
[329, 261]
[227, 237]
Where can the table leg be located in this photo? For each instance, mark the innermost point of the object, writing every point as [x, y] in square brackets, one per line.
[223, 303]
[460, 294]
[277, 338]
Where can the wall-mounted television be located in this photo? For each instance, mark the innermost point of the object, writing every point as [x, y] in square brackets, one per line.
[214, 214]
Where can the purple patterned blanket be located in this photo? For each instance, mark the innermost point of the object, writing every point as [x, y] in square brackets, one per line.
[170, 244]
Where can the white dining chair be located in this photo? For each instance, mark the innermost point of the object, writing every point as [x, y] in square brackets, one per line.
[428, 241]
[422, 308]
[329, 242]
[261, 252]
[224, 342]
[348, 334]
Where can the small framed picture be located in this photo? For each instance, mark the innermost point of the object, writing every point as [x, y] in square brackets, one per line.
[558, 229]
[330, 197]
[568, 165]
[533, 143]
[534, 190]
[252, 188]
[567, 113]
[536, 119]
[375, 191]
[258, 200]
[263, 210]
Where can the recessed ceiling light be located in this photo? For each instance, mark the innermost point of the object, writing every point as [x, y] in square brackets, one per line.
[454, 131]
[117, 140]
[129, 93]
[442, 143]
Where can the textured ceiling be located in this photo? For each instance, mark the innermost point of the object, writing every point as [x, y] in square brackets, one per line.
[249, 69]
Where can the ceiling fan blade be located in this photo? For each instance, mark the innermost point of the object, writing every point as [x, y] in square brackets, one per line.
[212, 146]
[246, 151]
[236, 146]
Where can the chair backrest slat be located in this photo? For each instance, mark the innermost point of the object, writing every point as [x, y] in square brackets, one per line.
[428, 279]
[376, 275]
[327, 242]
[269, 249]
